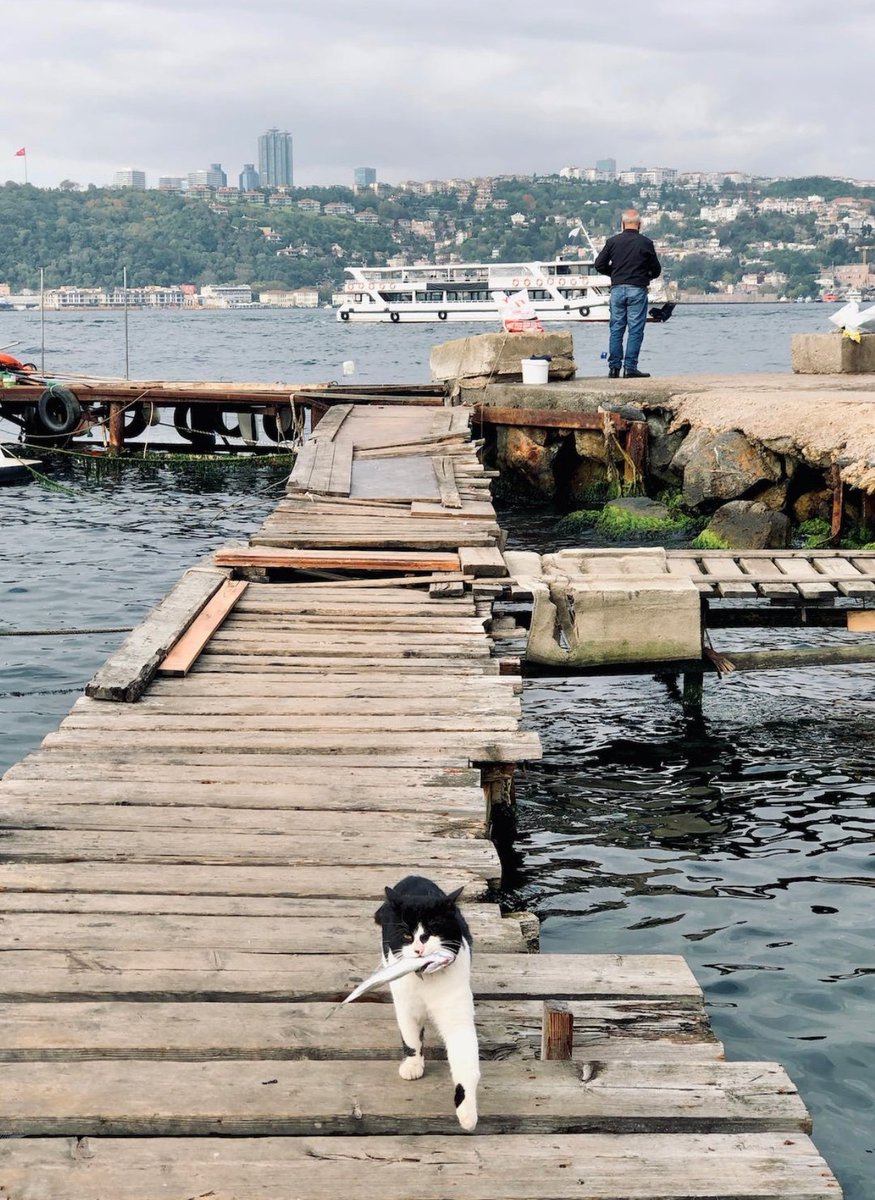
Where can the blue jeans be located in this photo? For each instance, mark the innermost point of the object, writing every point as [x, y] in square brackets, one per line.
[628, 311]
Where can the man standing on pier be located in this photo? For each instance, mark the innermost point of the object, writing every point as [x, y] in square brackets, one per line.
[629, 258]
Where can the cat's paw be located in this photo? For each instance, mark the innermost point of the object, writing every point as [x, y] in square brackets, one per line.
[466, 1107]
[412, 1067]
[467, 1114]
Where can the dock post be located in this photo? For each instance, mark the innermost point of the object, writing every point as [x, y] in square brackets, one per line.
[838, 502]
[116, 427]
[693, 694]
[557, 1031]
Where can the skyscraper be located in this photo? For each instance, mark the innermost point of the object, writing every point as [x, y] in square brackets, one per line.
[363, 177]
[275, 159]
[249, 179]
[607, 165]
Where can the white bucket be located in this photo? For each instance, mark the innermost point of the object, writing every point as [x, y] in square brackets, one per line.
[535, 370]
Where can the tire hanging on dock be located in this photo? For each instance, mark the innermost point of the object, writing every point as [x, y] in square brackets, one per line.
[136, 420]
[195, 423]
[58, 412]
[394, 316]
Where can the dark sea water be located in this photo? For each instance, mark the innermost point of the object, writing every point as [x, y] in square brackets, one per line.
[743, 841]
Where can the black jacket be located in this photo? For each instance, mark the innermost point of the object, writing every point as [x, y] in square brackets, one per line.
[628, 257]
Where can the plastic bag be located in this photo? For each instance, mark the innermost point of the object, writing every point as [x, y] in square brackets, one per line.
[518, 313]
[852, 320]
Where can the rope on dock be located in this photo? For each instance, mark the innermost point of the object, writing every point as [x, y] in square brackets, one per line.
[63, 632]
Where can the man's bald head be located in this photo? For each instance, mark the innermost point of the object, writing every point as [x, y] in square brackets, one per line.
[631, 219]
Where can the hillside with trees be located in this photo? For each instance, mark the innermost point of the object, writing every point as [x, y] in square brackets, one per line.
[86, 237]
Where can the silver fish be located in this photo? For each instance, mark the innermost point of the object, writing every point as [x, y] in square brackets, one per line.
[396, 970]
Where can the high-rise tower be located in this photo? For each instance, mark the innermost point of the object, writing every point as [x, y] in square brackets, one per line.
[275, 159]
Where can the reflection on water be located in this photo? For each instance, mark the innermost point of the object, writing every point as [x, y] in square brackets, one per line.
[743, 841]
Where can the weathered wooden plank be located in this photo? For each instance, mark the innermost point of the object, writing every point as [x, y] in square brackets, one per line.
[359, 560]
[477, 745]
[445, 474]
[764, 570]
[842, 571]
[756, 1166]
[728, 576]
[206, 974]
[329, 426]
[377, 684]
[251, 820]
[302, 849]
[483, 703]
[144, 1097]
[127, 672]
[118, 762]
[184, 652]
[305, 460]
[191, 879]
[153, 931]
[343, 723]
[394, 478]
[353, 664]
[654, 1030]
[811, 583]
[482, 563]
[375, 794]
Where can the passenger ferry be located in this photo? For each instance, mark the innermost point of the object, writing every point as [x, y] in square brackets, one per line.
[561, 290]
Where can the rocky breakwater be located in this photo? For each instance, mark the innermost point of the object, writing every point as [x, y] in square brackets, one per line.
[750, 461]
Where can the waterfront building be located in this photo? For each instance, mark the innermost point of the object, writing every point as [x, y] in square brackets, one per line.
[226, 295]
[129, 178]
[295, 298]
[275, 159]
[249, 179]
[364, 177]
[75, 297]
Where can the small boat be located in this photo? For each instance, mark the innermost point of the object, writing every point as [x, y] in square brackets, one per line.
[14, 469]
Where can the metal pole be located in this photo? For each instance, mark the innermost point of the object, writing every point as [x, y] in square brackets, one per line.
[42, 319]
[127, 357]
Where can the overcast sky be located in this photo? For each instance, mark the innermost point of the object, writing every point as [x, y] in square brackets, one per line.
[422, 89]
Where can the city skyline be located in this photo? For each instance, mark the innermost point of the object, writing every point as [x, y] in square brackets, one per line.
[733, 85]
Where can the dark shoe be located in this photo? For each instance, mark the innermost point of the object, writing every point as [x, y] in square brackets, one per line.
[636, 374]
[613, 372]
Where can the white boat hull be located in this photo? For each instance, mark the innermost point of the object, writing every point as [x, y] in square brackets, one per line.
[594, 312]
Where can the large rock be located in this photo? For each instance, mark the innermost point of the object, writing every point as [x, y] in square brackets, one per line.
[488, 357]
[525, 453]
[723, 466]
[747, 525]
[832, 354]
[663, 444]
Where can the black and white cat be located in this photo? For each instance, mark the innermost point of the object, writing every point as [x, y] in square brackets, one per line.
[418, 919]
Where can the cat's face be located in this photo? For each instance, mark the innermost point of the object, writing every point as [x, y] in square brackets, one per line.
[413, 930]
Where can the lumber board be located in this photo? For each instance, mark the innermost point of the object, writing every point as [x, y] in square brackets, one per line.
[445, 474]
[251, 820]
[655, 1030]
[482, 563]
[394, 478]
[757, 1166]
[841, 571]
[292, 723]
[204, 847]
[183, 653]
[207, 974]
[329, 426]
[191, 879]
[355, 560]
[351, 665]
[372, 795]
[378, 683]
[119, 763]
[146, 1097]
[305, 461]
[476, 745]
[314, 538]
[153, 931]
[127, 672]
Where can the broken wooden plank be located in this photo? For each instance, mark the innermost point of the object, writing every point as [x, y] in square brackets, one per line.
[445, 474]
[183, 653]
[361, 560]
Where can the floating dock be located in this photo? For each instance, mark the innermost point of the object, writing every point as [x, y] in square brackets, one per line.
[191, 863]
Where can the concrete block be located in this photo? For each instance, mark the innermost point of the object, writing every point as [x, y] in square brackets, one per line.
[489, 356]
[612, 621]
[643, 562]
[832, 354]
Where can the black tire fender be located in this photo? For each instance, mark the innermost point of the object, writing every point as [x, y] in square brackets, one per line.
[136, 421]
[442, 314]
[396, 317]
[58, 410]
[194, 423]
[344, 316]
[583, 310]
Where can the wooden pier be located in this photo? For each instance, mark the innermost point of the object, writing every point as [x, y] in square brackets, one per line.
[188, 880]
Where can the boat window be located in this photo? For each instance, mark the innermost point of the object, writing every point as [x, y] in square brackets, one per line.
[433, 297]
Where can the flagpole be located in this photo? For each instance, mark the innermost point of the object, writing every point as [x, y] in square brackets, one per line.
[25, 167]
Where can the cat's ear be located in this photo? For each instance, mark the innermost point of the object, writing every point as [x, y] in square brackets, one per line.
[454, 896]
[391, 896]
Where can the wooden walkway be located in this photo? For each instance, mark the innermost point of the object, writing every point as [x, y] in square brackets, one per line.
[187, 886]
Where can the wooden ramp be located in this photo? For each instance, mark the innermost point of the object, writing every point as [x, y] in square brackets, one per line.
[187, 885]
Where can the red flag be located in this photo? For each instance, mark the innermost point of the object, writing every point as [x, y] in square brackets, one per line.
[22, 153]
